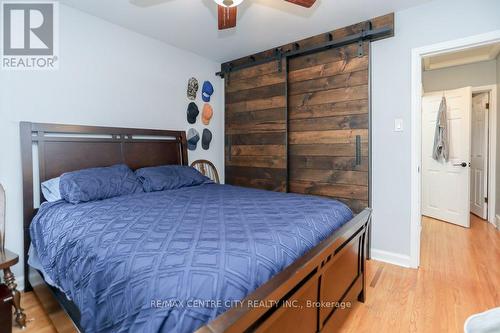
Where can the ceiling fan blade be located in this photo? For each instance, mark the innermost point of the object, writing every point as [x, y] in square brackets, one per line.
[303, 3]
[227, 17]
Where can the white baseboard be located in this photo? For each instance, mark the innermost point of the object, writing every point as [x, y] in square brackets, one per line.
[391, 257]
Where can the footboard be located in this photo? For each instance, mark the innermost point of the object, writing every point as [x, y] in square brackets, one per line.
[313, 294]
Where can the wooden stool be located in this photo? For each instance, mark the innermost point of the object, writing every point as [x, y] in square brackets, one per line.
[7, 260]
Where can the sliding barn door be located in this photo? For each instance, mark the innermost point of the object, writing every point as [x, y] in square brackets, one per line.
[328, 124]
[255, 137]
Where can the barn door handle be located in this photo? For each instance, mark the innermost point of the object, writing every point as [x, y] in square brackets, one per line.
[358, 150]
[463, 164]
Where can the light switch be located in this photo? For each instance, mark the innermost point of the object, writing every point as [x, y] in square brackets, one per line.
[398, 125]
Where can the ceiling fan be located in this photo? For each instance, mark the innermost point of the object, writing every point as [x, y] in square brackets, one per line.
[228, 10]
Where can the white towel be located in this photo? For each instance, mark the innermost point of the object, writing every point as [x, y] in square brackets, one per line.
[441, 147]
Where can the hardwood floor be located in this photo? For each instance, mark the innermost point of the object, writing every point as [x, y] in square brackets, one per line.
[459, 275]
[37, 321]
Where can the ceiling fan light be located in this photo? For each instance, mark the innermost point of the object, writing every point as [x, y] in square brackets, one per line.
[228, 3]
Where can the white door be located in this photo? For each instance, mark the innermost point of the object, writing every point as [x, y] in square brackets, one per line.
[479, 155]
[445, 185]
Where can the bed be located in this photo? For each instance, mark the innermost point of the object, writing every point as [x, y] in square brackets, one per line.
[274, 261]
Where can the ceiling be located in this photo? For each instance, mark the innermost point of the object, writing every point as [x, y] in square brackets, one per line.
[262, 24]
[463, 57]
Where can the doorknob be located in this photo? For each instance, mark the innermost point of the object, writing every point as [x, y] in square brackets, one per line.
[463, 164]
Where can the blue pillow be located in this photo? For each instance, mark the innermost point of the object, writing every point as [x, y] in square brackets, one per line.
[98, 183]
[50, 190]
[170, 177]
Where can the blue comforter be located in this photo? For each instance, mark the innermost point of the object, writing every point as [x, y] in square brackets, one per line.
[172, 261]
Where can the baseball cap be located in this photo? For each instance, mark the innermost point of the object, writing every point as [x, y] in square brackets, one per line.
[192, 138]
[192, 88]
[192, 112]
[207, 91]
[207, 113]
[206, 139]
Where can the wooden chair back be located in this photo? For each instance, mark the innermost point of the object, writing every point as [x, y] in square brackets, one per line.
[207, 169]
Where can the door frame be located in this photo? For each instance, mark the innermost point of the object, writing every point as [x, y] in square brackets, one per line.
[416, 126]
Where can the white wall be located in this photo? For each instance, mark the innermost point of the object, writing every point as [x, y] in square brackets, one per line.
[430, 23]
[473, 75]
[108, 76]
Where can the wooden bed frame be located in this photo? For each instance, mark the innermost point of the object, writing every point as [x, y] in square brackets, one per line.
[313, 294]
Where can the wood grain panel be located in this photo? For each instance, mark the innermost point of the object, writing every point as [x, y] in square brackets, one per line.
[326, 56]
[256, 127]
[263, 184]
[257, 161]
[254, 71]
[356, 205]
[329, 189]
[330, 176]
[258, 150]
[329, 123]
[257, 173]
[329, 69]
[325, 102]
[327, 137]
[257, 104]
[331, 150]
[263, 92]
[329, 96]
[328, 110]
[278, 138]
[260, 115]
[332, 82]
[254, 82]
[328, 162]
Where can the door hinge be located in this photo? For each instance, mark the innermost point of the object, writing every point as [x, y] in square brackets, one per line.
[488, 106]
[486, 200]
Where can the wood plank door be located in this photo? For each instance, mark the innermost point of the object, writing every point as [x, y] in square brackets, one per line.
[255, 127]
[445, 185]
[328, 124]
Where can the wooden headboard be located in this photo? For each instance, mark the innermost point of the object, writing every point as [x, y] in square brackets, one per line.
[63, 148]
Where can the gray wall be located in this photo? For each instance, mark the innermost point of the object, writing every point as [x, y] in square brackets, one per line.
[434, 22]
[473, 75]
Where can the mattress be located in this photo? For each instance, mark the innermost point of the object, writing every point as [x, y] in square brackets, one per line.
[171, 261]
